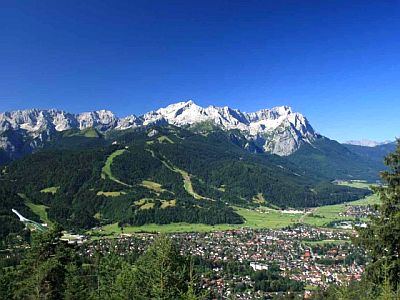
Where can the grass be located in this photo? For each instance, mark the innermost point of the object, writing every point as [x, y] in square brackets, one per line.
[266, 218]
[324, 242]
[88, 132]
[328, 213]
[254, 219]
[51, 190]
[187, 183]
[168, 203]
[110, 194]
[153, 186]
[106, 170]
[221, 188]
[147, 205]
[369, 200]
[141, 201]
[164, 138]
[37, 209]
[357, 184]
[263, 217]
[259, 198]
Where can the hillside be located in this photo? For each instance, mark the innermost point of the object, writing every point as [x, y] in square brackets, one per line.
[332, 160]
[375, 153]
[160, 175]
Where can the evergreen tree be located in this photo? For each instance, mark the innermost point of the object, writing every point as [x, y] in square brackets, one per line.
[41, 274]
[382, 236]
[160, 273]
[75, 287]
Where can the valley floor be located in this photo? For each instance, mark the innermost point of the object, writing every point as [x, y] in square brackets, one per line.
[259, 218]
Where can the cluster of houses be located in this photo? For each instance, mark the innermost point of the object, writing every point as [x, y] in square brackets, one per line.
[292, 249]
[359, 211]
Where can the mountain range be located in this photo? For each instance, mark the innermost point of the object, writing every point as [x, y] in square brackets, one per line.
[181, 163]
[278, 130]
[367, 143]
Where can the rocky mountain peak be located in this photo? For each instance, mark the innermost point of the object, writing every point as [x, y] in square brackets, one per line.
[278, 130]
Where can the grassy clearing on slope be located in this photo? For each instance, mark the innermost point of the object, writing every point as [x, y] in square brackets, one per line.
[168, 203]
[356, 184]
[153, 186]
[259, 199]
[187, 183]
[369, 200]
[221, 188]
[106, 170]
[88, 132]
[164, 138]
[111, 194]
[147, 205]
[51, 190]
[37, 209]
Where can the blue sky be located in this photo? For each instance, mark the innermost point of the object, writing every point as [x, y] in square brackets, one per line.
[337, 62]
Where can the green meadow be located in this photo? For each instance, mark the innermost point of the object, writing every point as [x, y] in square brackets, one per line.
[262, 217]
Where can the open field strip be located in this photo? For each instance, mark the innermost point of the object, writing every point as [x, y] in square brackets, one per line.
[106, 170]
[357, 184]
[164, 138]
[37, 209]
[254, 219]
[151, 185]
[263, 217]
[323, 242]
[51, 190]
[187, 183]
[111, 194]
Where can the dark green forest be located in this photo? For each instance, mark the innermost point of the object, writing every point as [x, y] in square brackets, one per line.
[160, 175]
[52, 269]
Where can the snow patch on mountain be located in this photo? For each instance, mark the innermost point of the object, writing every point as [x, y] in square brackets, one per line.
[278, 130]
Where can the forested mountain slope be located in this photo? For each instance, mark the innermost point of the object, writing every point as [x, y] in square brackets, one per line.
[332, 160]
[157, 175]
[373, 153]
[277, 130]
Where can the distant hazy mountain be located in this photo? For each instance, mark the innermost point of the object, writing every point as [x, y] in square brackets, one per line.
[366, 143]
[375, 153]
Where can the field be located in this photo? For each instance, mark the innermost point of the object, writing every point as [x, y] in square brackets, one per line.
[260, 218]
[106, 170]
[111, 194]
[187, 182]
[51, 190]
[153, 186]
[356, 184]
[37, 209]
[166, 139]
[267, 218]
[323, 242]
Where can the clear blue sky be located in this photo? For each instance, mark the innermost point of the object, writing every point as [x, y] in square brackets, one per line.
[337, 62]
